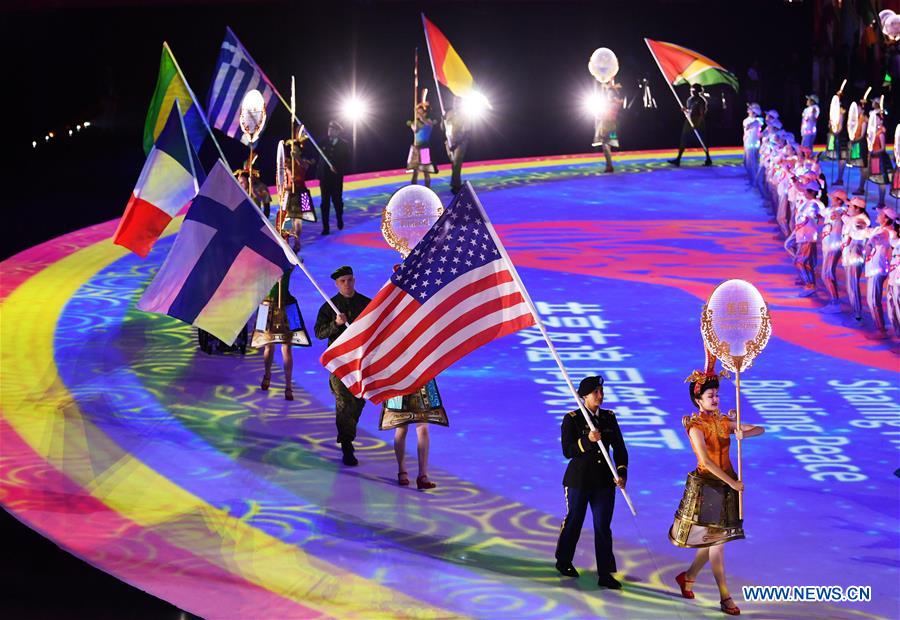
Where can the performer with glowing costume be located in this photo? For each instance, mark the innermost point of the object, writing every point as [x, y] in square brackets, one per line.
[752, 130]
[878, 256]
[832, 233]
[806, 230]
[708, 515]
[606, 132]
[809, 120]
[853, 235]
[893, 295]
[606, 102]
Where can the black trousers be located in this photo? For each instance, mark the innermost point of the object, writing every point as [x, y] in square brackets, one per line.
[457, 156]
[332, 190]
[602, 502]
[687, 135]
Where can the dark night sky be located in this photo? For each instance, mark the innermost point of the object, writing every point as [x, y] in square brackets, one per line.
[99, 59]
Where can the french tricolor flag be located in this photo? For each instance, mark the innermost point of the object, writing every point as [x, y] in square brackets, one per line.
[170, 179]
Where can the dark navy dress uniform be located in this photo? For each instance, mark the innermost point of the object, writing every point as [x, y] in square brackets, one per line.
[589, 481]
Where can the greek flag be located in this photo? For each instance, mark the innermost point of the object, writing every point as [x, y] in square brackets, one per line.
[236, 74]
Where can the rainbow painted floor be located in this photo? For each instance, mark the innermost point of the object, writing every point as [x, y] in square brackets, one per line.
[170, 469]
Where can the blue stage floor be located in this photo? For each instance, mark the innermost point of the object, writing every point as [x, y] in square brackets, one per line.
[620, 266]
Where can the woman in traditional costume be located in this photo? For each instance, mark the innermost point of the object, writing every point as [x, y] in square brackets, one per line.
[420, 407]
[606, 124]
[853, 235]
[297, 204]
[419, 158]
[880, 167]
[279, 321]
[878, 258]
[708, 515]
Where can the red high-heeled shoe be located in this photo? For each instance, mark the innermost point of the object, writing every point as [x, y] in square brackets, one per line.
[264, 384]
[734, 610]
[682, 580]
[403, 479]
[422, 482]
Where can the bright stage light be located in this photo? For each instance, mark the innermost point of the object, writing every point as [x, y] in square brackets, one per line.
[354, 109]
[595, 104]
[87, 123]
[34, 144]
[475, 105]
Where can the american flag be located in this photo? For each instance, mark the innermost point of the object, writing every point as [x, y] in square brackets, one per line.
[456, 291]
[235, 75]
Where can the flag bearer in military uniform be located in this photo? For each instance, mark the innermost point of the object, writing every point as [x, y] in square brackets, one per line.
[329, 325]
[588, 480]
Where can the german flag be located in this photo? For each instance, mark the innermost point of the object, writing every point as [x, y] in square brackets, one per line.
[680, 65]
[449, 68]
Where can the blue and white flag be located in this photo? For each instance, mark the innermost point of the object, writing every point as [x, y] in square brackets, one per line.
[225, 259]
[236, 74]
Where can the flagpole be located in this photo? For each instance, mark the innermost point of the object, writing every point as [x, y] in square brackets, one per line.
[540, 324]
[437, 85]
[280, 98]
[674, 94]
[415, 86]
[197, 103]
[187, 144]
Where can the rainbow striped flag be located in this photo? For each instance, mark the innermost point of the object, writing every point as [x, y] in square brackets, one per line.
[171, 86]
[223, 262]
[680, 65]
[449, 68]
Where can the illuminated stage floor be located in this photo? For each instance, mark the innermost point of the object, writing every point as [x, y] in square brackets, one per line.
[169, 468]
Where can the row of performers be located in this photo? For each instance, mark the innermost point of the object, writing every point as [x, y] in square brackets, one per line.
[279, 323]
[606, 122]
[296, 163]
[793, 186]
[707, 517]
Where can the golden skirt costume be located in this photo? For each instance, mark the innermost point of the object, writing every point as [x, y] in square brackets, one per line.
[422, 405]
[278, 320]
[708, 514]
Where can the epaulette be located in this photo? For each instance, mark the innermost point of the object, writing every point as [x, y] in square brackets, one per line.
[573, 413]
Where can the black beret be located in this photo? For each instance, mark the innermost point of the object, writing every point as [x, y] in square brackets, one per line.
[589, 384]
[346, 270]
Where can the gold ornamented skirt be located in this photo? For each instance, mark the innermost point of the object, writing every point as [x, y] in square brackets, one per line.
[708, 513]
[279, 325]
[300, 205]
[423, 405]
